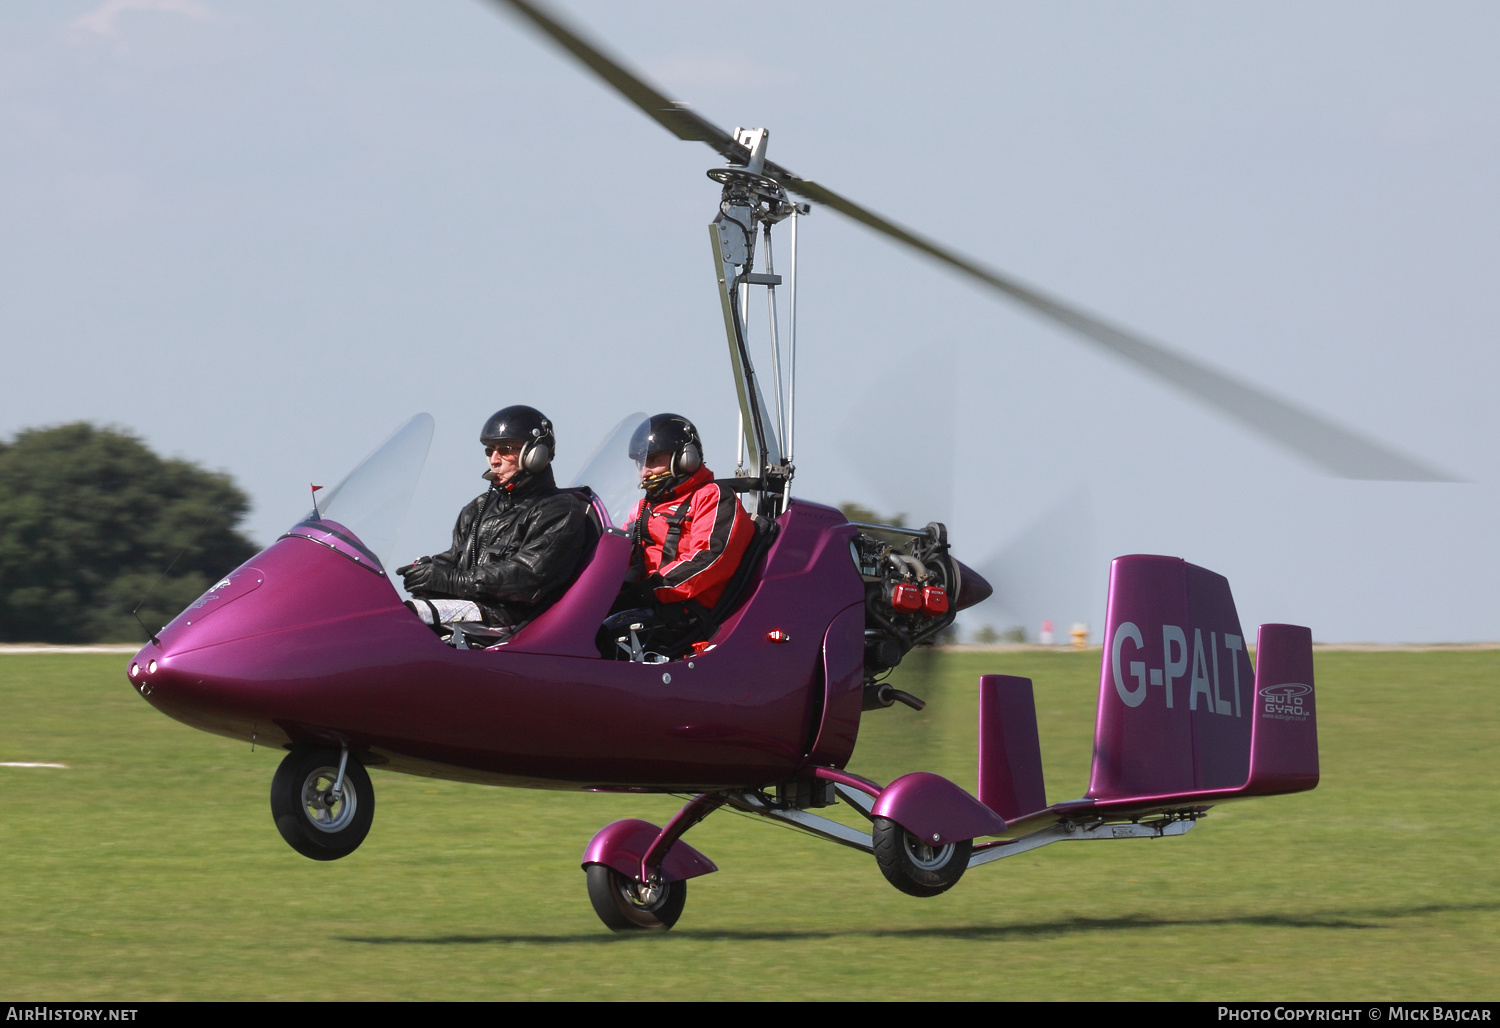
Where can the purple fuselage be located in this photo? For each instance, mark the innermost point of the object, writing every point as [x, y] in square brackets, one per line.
[307, 643]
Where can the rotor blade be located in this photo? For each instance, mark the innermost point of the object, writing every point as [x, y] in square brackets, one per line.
[1336, 450]
[671, 115]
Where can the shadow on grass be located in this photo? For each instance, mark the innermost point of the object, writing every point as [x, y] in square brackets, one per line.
[1375, 918]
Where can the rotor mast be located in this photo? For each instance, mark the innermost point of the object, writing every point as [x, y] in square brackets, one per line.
[750, 205]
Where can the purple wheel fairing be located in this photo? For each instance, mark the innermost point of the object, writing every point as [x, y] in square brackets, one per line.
[622, 844]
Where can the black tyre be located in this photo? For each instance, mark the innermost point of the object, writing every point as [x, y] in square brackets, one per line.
[309, 817]
[916, 867]
[625, 905]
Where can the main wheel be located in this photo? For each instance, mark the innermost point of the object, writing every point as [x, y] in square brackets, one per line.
[313, 821]
[625, 905]
[916, 867]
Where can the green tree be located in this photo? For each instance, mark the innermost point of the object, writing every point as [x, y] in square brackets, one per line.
[89, 520]
[858, 512]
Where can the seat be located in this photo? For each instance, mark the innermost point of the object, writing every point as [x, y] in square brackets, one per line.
[706, 622]
[738, 590]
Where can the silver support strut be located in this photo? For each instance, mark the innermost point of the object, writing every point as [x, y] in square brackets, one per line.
[774, 334]
[1068, 831]
[760, 436]
[791, 338]
[739, 447]
[338, 784]
[823, 827]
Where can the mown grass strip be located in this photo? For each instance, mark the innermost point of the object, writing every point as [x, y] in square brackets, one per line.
[150, 869]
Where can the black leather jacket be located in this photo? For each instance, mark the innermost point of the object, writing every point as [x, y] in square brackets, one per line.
[515, 552]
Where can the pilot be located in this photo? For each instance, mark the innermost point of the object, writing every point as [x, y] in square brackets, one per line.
[517, 546]
[689, 531]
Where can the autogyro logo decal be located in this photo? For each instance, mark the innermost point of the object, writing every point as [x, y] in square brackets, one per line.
[1285, 702]
[210, 596]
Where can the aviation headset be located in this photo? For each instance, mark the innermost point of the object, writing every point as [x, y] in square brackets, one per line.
[669, 433]
[527, 425]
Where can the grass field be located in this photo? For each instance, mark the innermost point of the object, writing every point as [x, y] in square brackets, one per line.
[150, 869]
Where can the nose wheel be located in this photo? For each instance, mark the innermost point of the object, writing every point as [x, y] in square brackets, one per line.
[625, 905]
[322, 801]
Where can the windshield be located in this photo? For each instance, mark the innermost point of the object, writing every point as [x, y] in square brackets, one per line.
[361, 516]
[611, 473]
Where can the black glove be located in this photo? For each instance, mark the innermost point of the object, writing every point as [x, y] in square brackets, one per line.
[426, 578]
[404, 571]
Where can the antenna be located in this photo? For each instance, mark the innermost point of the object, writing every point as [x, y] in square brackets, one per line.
[162, 577]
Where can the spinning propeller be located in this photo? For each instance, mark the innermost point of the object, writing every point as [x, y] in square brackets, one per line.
[1336, 450]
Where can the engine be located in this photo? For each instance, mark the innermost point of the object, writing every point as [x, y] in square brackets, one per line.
[911, 585]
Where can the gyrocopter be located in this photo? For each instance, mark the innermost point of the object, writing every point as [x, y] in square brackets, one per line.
[308, 647]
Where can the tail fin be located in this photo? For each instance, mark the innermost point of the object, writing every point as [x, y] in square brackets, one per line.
[1176, 694]
[1284, 744]
[1010, 755]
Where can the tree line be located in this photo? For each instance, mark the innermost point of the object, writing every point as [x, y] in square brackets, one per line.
[90, 518]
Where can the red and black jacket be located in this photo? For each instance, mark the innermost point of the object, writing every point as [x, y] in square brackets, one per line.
[693, 539]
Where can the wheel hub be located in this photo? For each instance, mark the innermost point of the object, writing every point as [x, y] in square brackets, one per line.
[645, 894]
[326, 810]
[925, 855]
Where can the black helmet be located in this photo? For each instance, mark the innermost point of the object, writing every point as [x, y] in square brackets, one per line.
[522, 424]
[668, 433]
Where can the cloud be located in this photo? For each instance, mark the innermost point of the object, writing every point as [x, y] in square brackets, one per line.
[102, 20]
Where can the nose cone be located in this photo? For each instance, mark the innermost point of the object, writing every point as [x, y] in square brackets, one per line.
[188, 683]
[143, 669]
[265, 644]
[974, 589]
[204, 622]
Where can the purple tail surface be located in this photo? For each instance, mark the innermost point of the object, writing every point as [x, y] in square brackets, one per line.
[1180, 709]
[1284, 744]
[1010, 754]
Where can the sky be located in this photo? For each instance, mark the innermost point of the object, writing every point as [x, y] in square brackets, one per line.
[262, 235]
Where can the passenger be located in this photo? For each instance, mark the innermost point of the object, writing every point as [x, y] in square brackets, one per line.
[689, 532]
[517, 546]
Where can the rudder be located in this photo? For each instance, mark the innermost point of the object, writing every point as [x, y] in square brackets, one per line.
[1176, 691]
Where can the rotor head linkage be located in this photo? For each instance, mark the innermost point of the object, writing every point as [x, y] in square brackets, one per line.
[748, 186]
[751, 204]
